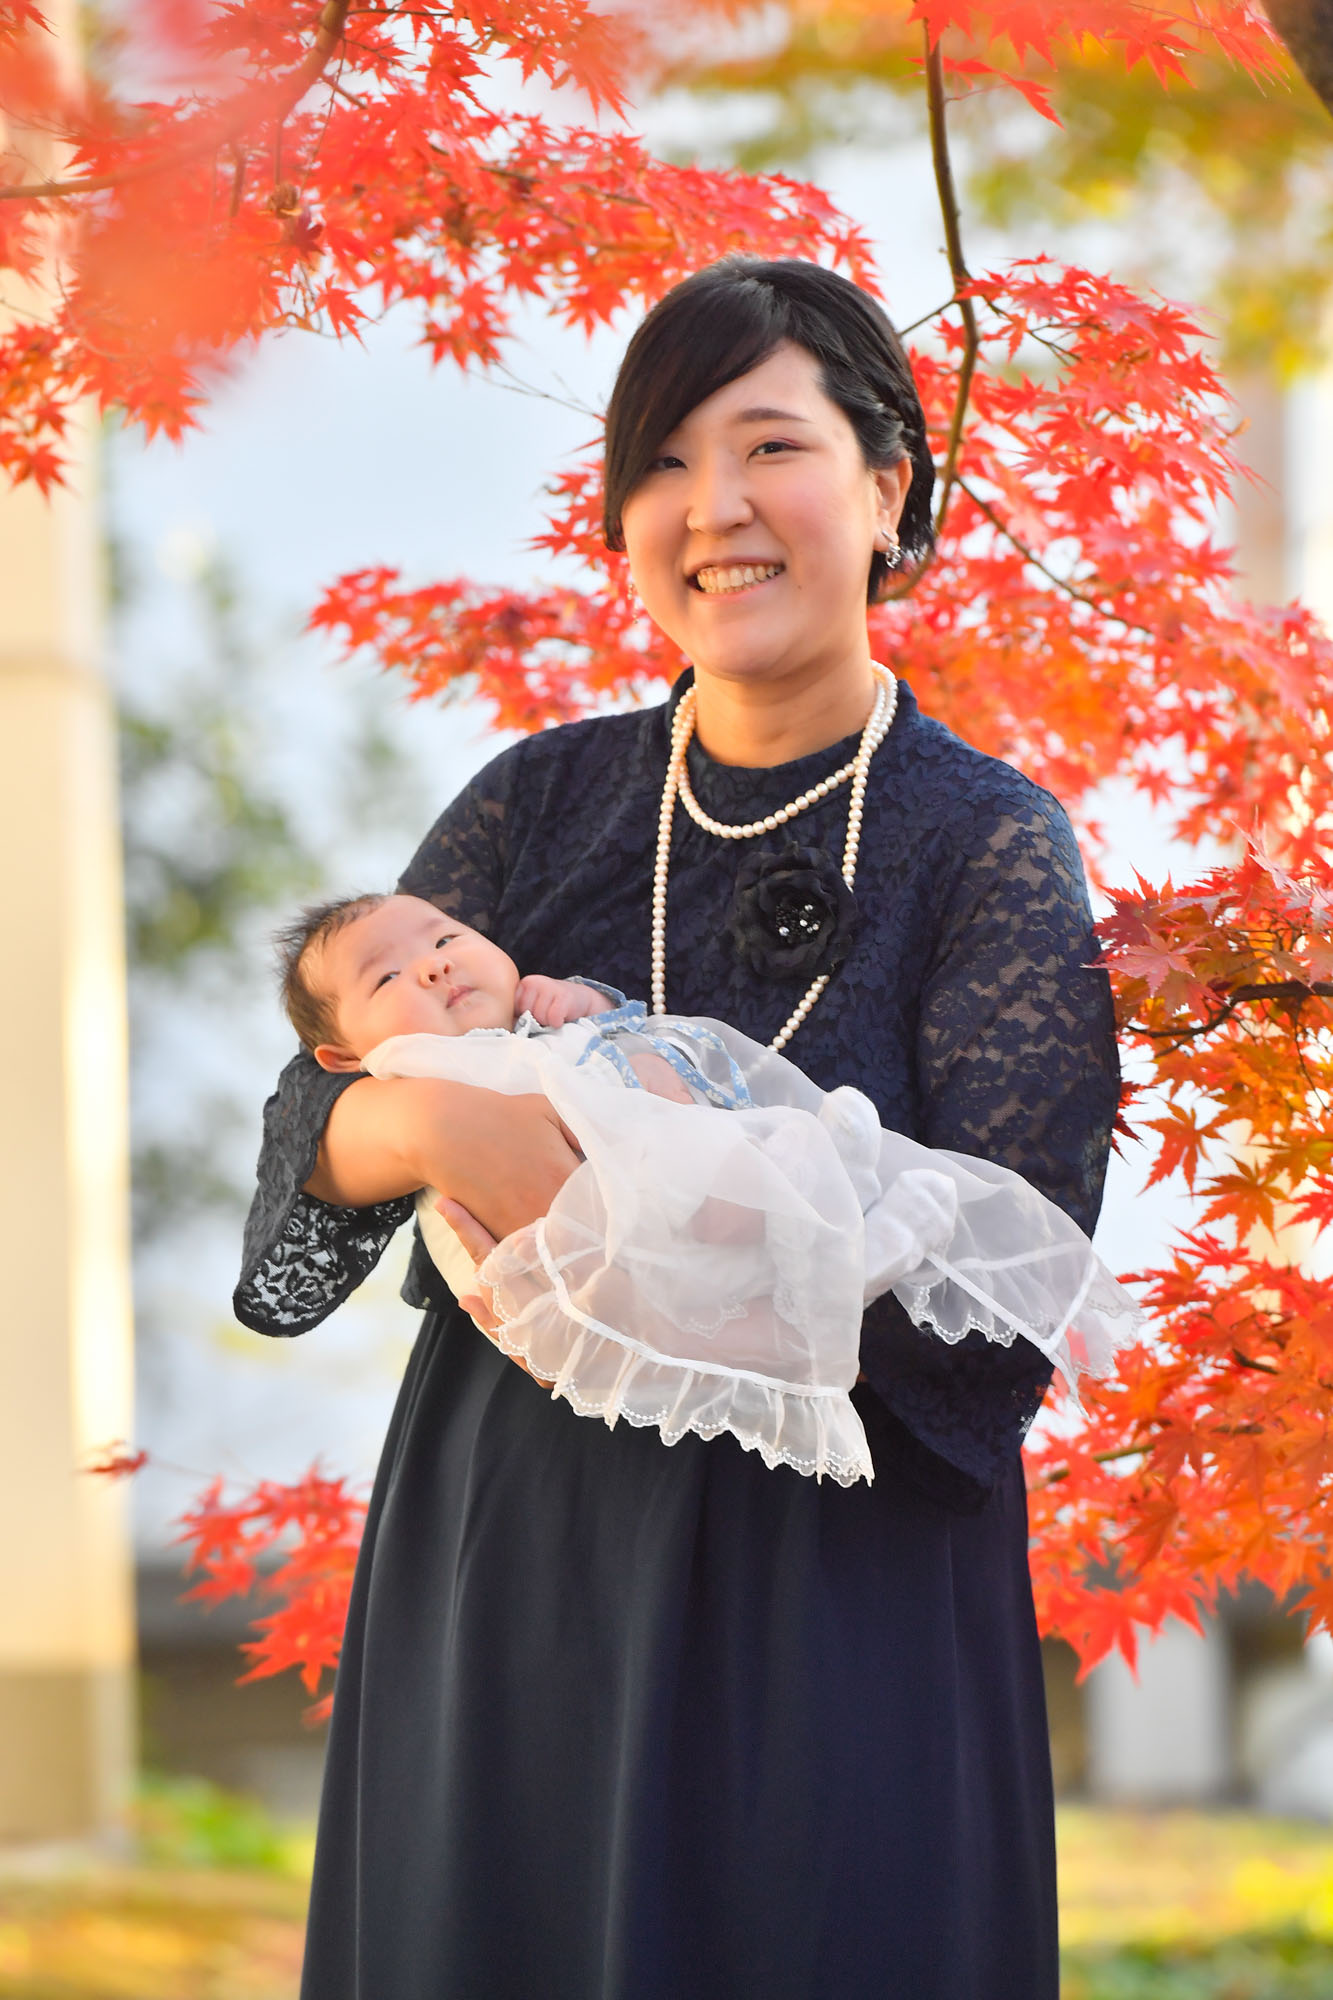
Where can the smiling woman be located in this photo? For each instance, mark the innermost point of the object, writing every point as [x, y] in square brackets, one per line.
[616, 1722]
[766, 469]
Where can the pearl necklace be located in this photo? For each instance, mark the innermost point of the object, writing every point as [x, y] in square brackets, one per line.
[677, 785]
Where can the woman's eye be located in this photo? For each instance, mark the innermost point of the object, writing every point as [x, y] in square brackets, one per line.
[664, 462]
[771, 445]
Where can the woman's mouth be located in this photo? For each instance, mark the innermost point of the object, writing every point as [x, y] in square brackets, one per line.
[727, 579]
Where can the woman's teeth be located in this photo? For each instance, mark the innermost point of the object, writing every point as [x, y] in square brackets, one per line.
[739, 576]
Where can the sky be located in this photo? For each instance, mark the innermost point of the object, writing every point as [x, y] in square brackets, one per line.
[317, 457]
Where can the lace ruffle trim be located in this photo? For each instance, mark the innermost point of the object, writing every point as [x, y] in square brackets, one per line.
[601, 1372]
[1102, 1320]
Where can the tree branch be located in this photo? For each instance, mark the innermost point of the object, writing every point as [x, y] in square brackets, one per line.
[1062, 1472]
[1306, 26]
[1278, 989]
[1259, 1367]
[273, 100]
[1060, 582]
[958, 271]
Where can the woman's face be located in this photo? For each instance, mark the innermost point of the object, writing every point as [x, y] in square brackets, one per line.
[751, 534]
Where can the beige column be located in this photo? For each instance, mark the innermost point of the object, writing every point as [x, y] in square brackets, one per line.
[66, 1600]
[1262, 524]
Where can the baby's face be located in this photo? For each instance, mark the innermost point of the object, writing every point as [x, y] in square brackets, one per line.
[403, 969]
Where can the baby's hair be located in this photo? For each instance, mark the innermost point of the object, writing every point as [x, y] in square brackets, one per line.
[311, 1012]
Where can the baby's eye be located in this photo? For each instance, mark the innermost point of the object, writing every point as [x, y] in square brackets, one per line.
[383, 980]
[448, 938]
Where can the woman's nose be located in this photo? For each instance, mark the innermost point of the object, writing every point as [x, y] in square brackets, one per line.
[718, 499]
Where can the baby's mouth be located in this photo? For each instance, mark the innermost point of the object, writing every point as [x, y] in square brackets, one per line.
[726, 579]
[455, 994]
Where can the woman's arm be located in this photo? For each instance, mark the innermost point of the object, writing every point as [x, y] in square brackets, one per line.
[503, 1158]
[1017, 1063]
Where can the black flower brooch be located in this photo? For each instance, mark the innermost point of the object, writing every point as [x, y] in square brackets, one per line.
[792, 915]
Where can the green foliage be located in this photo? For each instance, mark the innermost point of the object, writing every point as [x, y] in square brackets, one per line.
[172, 1178]
[1219, 156]
[1285, 1965]
[190, 1823]
[210, 845]
[1240, 173]
[208, 839]
[218, 845]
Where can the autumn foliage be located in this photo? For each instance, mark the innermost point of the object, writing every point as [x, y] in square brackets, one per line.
[1079, 617]
[1208, 1460]
[292, 1543]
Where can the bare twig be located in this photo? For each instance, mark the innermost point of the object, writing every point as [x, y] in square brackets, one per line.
[1052, 576]
[274, 100]
[1061, 1472]
[1278, 989]
[1259, 1367]
[924, 320]
[518, 387]
[958, 271]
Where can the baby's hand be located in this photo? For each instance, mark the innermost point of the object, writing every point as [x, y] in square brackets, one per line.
[657, 1075]
[552, 1002]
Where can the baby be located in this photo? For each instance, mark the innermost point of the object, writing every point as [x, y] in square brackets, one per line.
[706, 1266]
[356, 972]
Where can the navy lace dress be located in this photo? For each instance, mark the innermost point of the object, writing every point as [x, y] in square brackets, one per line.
[618, 1722]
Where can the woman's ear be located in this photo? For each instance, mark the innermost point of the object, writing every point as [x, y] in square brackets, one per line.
[339, 1060]
[892, 482]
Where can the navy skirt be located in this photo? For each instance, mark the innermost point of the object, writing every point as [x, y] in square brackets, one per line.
[618, 1722]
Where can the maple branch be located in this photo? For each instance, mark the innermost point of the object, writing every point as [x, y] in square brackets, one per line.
[275, 100]
[1306, 26]
[958, 271]
[1060, 582]
[1278, 989]
[925, 318]
[1259, 1367]
[1061, 1472]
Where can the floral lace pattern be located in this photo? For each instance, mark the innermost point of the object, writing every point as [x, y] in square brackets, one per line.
[966, 1009]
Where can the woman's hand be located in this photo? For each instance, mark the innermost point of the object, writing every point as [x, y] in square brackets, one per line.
[478, 1243]
[502, 1158]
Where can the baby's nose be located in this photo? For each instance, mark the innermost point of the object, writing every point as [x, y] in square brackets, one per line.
[434, 966]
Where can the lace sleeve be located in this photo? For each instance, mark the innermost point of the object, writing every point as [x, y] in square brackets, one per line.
[1016, 1059]
[303, 1257]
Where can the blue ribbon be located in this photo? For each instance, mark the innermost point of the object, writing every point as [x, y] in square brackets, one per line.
[629, 1018]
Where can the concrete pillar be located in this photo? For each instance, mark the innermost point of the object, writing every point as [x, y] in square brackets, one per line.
[1162, 1736]
[66, 1616]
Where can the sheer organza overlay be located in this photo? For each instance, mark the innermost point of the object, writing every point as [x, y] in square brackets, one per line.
[706, 1268]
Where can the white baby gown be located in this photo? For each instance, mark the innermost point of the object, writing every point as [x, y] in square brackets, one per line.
[706, 1267]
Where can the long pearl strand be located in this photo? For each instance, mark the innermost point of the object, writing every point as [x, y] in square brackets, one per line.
[677, 785]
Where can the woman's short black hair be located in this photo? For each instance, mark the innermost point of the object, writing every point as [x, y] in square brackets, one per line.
[725, 320]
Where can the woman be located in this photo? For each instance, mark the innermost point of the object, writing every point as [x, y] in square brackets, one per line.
[616, 1722]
